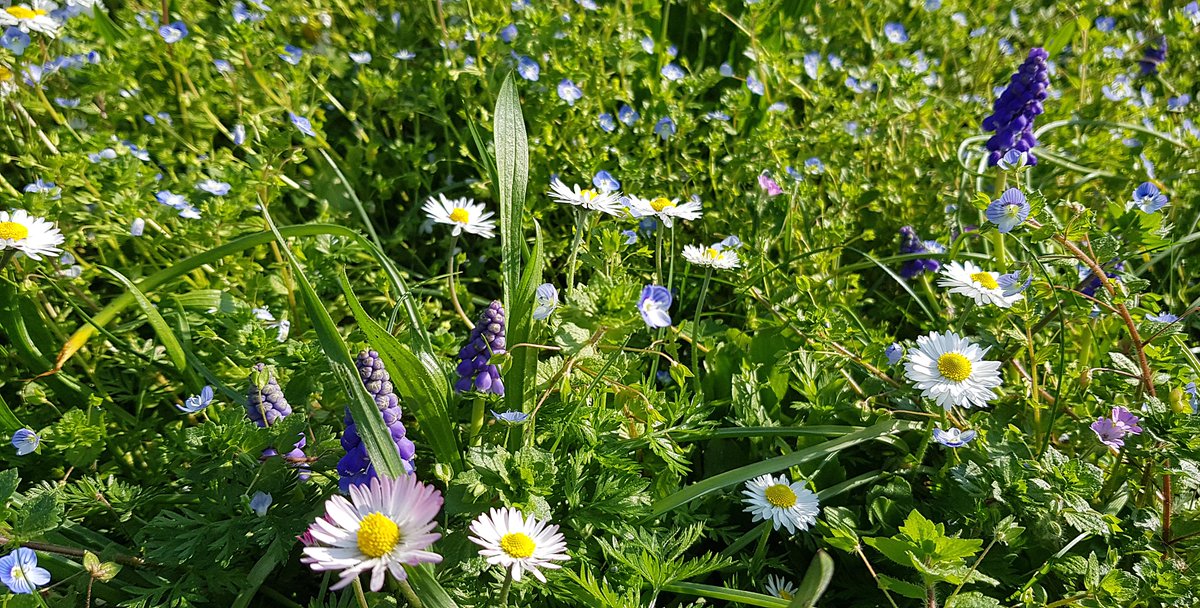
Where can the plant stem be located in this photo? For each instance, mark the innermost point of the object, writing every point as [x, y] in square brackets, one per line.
[875, 576]
[458, 309]
[410, 596]
[696, 329]
[476, 420]
[505, 587]
[358, 593]
[580, 222]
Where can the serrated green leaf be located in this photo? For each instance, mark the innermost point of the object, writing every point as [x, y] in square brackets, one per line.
[906, 589]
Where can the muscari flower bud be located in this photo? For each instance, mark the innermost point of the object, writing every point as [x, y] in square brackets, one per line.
[475, 369]
[911, 243]
[355, 468]
[265, 404]
[1014, 111]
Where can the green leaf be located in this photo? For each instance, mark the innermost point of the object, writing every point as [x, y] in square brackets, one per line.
[916, 592]
[9, 423]
[748, 598]
[419, 381]
[816, 581]
[521, 375]
[427, 588]
[1061, 39]
[166, 335]
[898, 551]
[9, 479]
[779, 463]
[973, 599]
[366, 415]
[36, 516]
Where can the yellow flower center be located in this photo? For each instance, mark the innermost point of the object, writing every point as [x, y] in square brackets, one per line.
[589, 194]
[780, 496]
[460, 215]
[784, 594]
[12, 231]
[377, 535]
[954, 366]
[517, 545]
[661, 203]
[23, 12]
[986, 279]
[712, 253]
[5, 74]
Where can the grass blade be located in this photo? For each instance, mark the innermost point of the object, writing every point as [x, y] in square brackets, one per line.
[371, 428]
[816, 581]
[749, 598]
[427, 588]
[742, 474]
[9, 422]
[166, 335]
[523, 372]
[420, 382]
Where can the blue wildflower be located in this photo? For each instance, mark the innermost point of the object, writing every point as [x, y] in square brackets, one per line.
[812, 65]
[932, 5]
[510, 417]
[223, 66]
[545, 300]
[195, 403]
[40, 186]
[665, 128]
[302, 124]
[754, 84]
[895, 33]
[647, 44]
[528, 69]
[137, 227]
[778, 106]
[1013, 160]
[721, 116]
[25, 441]
[654, 304]
[404, 55]
[214, 187]
[1154, 54]
[1163, 317]
[355, 468]
[631, 236]
[1011, 284]
[1177, 104]
[673, 72]
[475, 369]
[1008, 211]
[20, 573]
[814, 166]
[260, 502]
[292, 54]
[1105, 24]
[587, 4]
[627, 115]
[911, 243]
[607, 122]
[605, 182]
[509, 33]
[174, 32]
[1194, 393]
[360, 57]
[1015, 109]
[953, 438]
[894, 353]
[1148, 198]
[15, 40]
[568, 92]
[725, 70]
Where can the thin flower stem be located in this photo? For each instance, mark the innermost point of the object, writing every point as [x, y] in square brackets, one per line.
[875, 576]
[580, 222]
[505, 587]
[696, 328]
[358, 594]
[458, 309]
[409, 595]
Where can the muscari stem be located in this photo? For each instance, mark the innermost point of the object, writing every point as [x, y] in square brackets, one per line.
[476, 420]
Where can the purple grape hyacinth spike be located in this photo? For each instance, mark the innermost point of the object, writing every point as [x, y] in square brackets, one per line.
[265, 405]
[355, 468]
[1013, 113]
[475, 370]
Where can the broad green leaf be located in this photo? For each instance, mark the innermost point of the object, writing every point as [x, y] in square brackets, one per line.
[779, 463]
[9, 479]
[520, 379]
[816, 581]
[162, 329]
[9, 423]
[420, 382]
[1061, 39]
[906, 589]
[973, 599]
[371, 428]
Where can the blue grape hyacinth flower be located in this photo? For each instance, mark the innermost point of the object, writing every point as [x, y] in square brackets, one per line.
[911, 243]
[1154, 54]
[1015, 109]
[475, 369]
[356, 468]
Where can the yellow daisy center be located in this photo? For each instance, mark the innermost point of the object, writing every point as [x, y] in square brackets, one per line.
[986, 279]
[661, 203]
[589, 194]
[5, 74]
[517, 545]
[785, 594]
[12, 231]
[712, 253]
[22, 12]
[954, 366]
[460, 215]
[377, 535]
[780, 495]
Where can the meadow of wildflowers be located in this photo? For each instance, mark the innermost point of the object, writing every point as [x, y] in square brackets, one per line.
[599, 303]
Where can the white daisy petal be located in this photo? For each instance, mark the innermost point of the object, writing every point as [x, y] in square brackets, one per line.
[521, 544]
[951, 371]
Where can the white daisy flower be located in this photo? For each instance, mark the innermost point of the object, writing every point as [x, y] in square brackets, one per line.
[716, 256]
[31, 17]
[781, 502]
[383, 527]
[666, 210]
[979, 285]
[8, 84]
[952, 371]
[463, 213]
[517, 542]
[608, 202]
[30, 235]
[780, 588]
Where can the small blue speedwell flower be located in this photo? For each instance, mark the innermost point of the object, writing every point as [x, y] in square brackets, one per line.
[953, 438]
[173, 32]
[1148, 198]
[894, 352]
[1008, 211]
[568, 92]
[1010, 284]
[195, 403]
[302, 124]
[1013, 160]
[510, 417]
[654, 304]
[25, 441]
[20, 573]
[547, 300]
[1163, 317]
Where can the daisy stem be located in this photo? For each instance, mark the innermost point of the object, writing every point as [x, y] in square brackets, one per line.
[760, 552]
[410, 596]
[658, 254]
[476, 420]
[505, 587]
[671, 257]
[358, 593]
[453, 291]
[580, 221]
[696, 327]
[6, 258]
